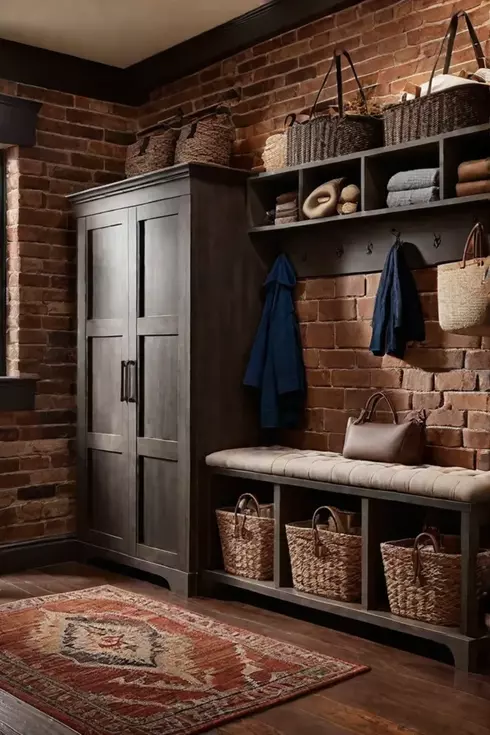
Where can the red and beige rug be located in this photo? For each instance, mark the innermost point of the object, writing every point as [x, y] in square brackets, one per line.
[107, 662]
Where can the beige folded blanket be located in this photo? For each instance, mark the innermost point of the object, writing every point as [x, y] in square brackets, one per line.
[474, 170]
[470, 188]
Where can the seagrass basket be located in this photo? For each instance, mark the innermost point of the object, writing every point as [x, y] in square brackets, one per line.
[449, 109]
[207, 139]
[423, 577]
[325, 562]
[152, 151]
[247, 538]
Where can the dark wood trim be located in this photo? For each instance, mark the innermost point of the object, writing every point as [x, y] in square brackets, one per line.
[266, 21]
[132, 86]
[23, 555]
[17, 394]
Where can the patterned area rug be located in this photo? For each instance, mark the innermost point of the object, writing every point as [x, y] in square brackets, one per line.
[107, 662]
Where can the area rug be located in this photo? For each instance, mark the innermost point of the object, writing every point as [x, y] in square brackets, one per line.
[108, 662]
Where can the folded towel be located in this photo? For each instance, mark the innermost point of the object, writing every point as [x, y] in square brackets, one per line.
[474, 170]
[288, 207]
[290, 196]
[412, 196]
[419, 178]
[286, 220]
[469, 188]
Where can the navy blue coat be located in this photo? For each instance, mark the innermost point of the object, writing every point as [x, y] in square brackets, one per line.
[398, 317]
[276, 365]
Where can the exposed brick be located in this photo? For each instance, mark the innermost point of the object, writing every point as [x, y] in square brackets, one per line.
[318, 377]
[372, 283]
[479, 420]
[445, 417]
[352, 334]
[426, 401]
[476, 439]
[483, 460]
[307, 311]
[337, 358]
[320, 288]
[468, 401]
[484, 380]
[350, 286]
[436, 337]
[385, 378]
[311, 358]
[320, 335]
[443, 437]
[456, 380]
[477, 360]
[357, 398]
[335, 421]
[417, 380]
[365, 308]
[337, 310]
[449, 457]
[351, 378]
[434, 359]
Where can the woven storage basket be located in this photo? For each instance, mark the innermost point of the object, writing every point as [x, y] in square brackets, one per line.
[322, 137]
[208, 139]
[325, 562]
[154, 149]
[247, 540]
[443, 111]
[424, 581]
[463, 289]
[274, 153]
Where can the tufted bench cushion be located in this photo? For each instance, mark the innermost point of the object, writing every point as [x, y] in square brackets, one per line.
[450, 483]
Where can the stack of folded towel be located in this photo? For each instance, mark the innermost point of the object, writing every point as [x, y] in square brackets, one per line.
[286, 208]
[474, 178]
[413, 187]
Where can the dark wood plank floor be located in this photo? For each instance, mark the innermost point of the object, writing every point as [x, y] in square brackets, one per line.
[404, 694]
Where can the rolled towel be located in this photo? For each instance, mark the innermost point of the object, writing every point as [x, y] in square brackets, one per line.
[322, 202]
[348, 199]
[419, 178]
[413, 196]
[470, 188]
[474, 170]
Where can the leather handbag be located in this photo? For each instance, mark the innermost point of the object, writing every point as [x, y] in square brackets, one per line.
[392, 443]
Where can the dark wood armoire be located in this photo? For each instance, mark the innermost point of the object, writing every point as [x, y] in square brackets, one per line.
[168, 304]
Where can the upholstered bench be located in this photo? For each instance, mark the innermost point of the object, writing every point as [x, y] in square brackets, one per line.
[303, 479]
[450, 483]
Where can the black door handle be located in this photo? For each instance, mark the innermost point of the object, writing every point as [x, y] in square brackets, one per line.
[132, 381]
[124, 380]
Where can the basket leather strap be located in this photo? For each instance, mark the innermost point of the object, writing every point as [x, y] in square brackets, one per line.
[319, 548]
[416, 561]
[450, 38]
[475, 242]
[337, 62]
[239, 532]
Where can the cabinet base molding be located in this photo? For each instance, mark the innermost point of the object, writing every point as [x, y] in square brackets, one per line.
[181, 583]
[22, 555]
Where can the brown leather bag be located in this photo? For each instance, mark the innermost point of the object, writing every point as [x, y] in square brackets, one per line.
[395, 443]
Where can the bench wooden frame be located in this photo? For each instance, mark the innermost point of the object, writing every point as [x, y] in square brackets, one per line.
[469, 645]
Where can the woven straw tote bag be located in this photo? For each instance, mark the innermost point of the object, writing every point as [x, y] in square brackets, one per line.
[463, 289]
[154, 149]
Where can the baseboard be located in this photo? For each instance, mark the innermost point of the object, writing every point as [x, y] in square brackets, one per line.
[22, 555]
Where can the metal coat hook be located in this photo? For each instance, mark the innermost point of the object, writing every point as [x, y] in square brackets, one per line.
[396, 233]
[369, 249]
[437, 240]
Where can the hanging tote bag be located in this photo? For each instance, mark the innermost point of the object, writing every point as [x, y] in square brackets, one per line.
[463, 289]
[457, 104]
[325, 136]
[154, 148]
[207, 138]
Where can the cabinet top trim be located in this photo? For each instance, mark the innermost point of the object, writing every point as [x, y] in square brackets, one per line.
[162, 176]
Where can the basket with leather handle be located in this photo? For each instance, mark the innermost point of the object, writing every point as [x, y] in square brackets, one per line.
[247, 538]
[423, 577]
[454, 107]
[154, 148]
[207, 138]
[463, 288]
[325, 562]
[380, 442]
[324, 136]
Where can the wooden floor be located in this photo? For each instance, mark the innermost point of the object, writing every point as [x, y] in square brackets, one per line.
[403, 694]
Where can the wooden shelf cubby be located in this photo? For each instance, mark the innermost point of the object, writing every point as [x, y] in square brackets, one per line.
[342, 244]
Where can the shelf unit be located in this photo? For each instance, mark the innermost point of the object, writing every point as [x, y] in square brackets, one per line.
[359, 242]
[385, 515]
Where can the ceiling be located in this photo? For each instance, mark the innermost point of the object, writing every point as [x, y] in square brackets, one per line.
[115, 32]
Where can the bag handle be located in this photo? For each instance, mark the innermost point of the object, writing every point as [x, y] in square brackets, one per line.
[337, 62]
[474, 241]
[370, 407]
[239, 532]
[450, 38]
[162, 125]
[319, 547]
[416, 560]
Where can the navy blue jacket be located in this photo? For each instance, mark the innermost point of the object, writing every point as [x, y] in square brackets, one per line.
[276, 365]
[397, 315]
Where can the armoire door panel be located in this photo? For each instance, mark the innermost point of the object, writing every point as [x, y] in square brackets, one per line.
[103, 302]
[158, 510]
[161, 256]
[107, 509]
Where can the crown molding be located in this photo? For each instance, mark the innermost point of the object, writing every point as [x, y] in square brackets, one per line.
[133, 85]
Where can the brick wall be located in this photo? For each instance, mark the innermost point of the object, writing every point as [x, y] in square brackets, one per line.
[391, 42]
[80, 143]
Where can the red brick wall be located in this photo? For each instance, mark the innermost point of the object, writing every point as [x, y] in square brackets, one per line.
[80, 143]
[391, 42]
